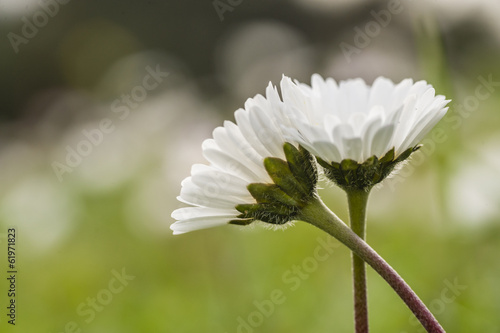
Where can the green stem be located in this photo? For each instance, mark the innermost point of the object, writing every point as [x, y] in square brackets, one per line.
[357, 214]
[317, 214]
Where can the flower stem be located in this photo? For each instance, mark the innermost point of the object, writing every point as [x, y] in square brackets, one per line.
[317, 214]
[358, 200]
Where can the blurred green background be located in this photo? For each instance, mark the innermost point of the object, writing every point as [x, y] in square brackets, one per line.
[67, 66]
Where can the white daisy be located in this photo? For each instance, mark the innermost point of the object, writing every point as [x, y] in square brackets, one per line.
[236, 155]
[342, 125]
[351, 120]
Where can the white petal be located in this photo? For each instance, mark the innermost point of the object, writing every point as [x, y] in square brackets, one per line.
[357, 93]
[327, 151]
[381, 140]
[357, 120]
[406, 120]
[330, 121]
[353, 147]
[221, 181]
[187, 213]
[229, 164]
[381, 92]
[243, 121]
[238, 150]
[368, 135]
[428, 126]
[400, 92]
[235, 135]
[267, 133]
[418, 128]
[292, 95]
[209, 195]
[317, 82]
[342, 131]
[419, 88]
[198, 199]
[181, 227]
[395, 116]
[312, 133]
[425, 100]
[293, 116]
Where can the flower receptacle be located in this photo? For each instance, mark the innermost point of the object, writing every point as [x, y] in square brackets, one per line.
[352, 175]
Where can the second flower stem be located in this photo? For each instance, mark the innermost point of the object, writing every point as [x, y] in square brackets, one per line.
[317, 214]
[358, 200]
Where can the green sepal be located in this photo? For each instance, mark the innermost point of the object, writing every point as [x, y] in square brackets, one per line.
[404, 155]
[253, 209]
[268, 212]
[270, 193]
[302, 166]
[326, 165]
[349, 165]
[388, 157]
[243, 221]
[283, 177]
[294, 185]
[370, 162]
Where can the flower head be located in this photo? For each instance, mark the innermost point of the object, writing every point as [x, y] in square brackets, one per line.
[350, 124]
[356, 132]
[247, 178]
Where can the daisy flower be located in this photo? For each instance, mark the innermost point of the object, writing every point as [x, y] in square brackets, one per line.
[247, 178]
[263, 167]
[350, 123]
